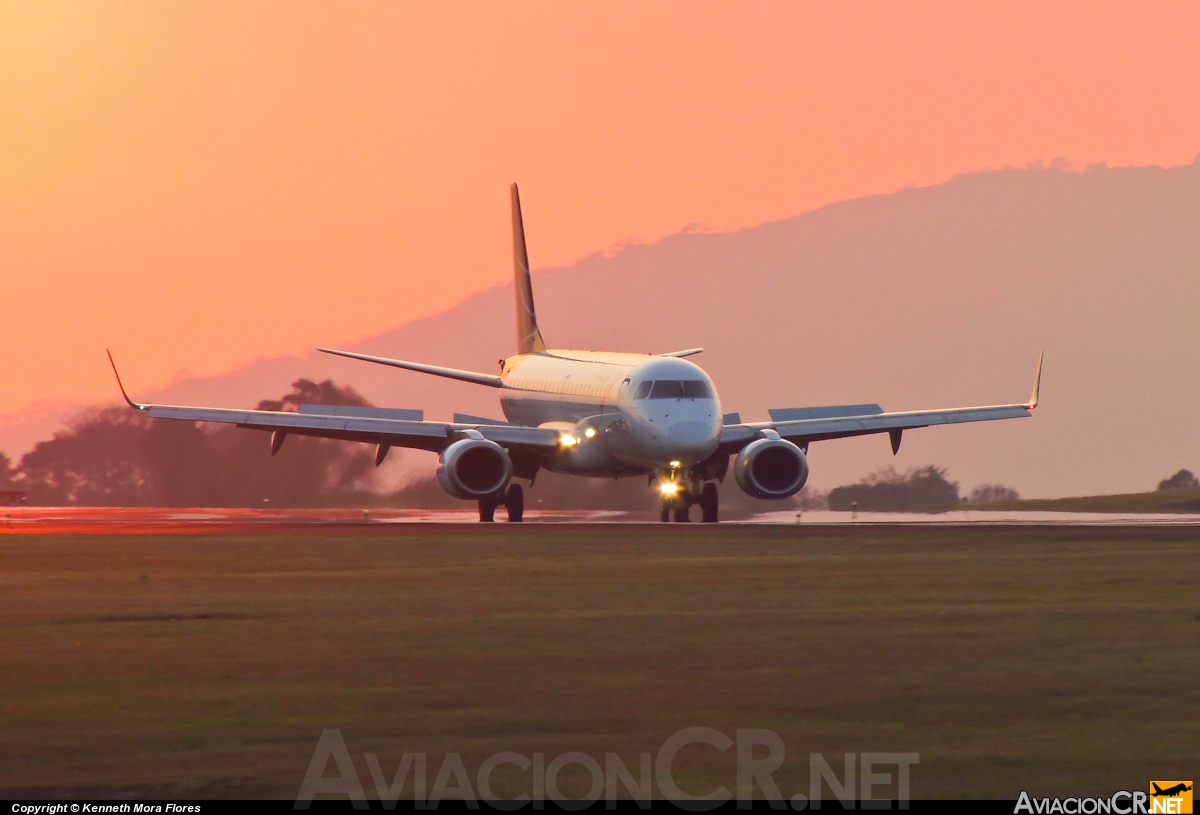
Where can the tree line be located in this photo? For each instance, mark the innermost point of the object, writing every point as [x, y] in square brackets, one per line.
[115, 456]
[921, 489]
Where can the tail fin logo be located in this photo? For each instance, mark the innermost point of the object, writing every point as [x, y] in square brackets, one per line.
[529, 338]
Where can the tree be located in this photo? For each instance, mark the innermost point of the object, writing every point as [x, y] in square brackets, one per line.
[6, 472]
[307, 392]
[1182, 480]
[120, 457]
[93, 463]
[991, 493]
[920, 489]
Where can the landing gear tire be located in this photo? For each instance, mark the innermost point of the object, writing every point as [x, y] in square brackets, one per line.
[665, 510]
[683, 502]
[708, 503]
[487, 508]
[514, 502]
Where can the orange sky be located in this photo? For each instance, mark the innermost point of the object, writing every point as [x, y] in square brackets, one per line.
[198, 184]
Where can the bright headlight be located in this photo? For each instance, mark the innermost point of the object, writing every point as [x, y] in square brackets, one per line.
[568, 440]
[591, 431]
[669, 487]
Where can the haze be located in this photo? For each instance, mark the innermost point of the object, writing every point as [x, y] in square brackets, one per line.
[200, 185]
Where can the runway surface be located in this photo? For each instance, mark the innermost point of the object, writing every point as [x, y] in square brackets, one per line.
[206, 520]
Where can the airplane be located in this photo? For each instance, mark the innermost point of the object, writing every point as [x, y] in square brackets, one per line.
[1169, 792]
[594, 414]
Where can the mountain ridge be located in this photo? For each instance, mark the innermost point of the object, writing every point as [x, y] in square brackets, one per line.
[937, 296]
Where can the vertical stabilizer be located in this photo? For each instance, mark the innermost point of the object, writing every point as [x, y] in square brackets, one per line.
[529, 339]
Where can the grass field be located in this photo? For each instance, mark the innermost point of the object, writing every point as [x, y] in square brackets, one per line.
[1158, 501]
[1059, 660]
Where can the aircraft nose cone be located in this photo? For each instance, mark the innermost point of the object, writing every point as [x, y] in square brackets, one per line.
[688, 433]
[690, 440]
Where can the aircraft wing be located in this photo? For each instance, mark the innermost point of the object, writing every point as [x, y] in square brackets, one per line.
[804, 425]
[358, 424]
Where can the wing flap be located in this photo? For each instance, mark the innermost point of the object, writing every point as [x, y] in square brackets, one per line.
[845, 426]
[466, 418]
[823, 412]
[516, 436]
[395, 432]
[364, 412]
[298, 423]
[803, 431]
[804, 425]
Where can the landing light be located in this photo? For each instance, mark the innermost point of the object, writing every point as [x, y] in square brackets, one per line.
[675, 465]
[669, 487]
[568, 440]
[591, 431]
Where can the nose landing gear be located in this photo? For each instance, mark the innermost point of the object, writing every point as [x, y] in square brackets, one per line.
[679, 504]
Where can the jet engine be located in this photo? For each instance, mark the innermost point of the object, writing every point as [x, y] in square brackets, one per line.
[474, 468]
[771, 468]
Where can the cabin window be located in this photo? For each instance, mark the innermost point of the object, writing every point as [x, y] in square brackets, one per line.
[643, 390]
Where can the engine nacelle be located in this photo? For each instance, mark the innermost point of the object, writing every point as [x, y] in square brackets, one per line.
[474, 468]
[771, 468]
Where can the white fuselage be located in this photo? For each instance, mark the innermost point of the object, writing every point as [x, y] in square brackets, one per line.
[623, 424]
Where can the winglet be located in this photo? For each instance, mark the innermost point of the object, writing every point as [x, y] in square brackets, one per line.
[1037, 383]
[132, 403]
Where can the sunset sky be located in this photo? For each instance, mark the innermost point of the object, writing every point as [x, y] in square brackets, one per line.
[196, 185]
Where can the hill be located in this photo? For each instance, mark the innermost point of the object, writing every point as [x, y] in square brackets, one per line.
[929, 297]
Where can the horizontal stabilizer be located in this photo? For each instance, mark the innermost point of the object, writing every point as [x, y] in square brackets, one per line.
[364, 412]
[686, 353]
[437, 370]
[463, 418]
[826, 412]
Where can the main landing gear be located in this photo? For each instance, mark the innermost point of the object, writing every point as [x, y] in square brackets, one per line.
[709, 503]
[514, 503]
[679, 504]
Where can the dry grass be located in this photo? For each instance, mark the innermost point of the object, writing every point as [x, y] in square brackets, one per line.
[1059, 660]
[1183, 501]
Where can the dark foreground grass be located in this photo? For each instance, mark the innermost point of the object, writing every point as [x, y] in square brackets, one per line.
[1058, 660]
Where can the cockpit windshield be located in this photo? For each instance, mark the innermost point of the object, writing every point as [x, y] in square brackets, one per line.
[674, 389]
